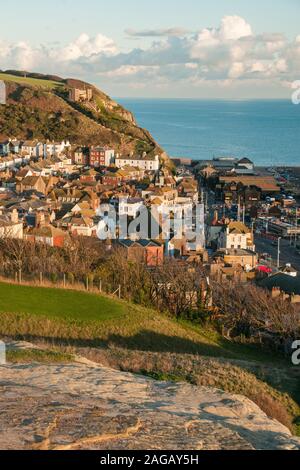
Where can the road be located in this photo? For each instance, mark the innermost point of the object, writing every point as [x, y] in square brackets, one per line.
[288, 253]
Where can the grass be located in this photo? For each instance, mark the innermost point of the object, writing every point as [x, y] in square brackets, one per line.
[26, 356]
[84, 319]
[58, 303]
[46, 84]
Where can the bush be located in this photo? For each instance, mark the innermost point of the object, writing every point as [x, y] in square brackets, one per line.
[54, 278]
[70, 278]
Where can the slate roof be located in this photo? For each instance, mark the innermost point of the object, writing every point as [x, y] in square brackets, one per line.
[143, 243]
[288, 284]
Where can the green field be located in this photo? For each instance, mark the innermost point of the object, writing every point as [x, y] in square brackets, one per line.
[40, 83]
[58, 303]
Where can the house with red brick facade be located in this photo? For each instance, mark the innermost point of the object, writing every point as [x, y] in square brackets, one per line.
[90, 176]
[101, 156]
[148, 251]
[47, 234]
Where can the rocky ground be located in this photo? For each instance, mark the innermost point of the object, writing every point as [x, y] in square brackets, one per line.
[82, 405]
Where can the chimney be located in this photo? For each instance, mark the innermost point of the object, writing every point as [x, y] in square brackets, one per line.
[39, 219]
[14, 216]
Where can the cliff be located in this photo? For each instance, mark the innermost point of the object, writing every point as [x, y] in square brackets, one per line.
[38, 107]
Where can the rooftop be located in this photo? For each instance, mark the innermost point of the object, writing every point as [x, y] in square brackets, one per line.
[284, 282]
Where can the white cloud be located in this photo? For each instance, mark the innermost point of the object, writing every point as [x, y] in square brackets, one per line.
[224, 56]
[156, 32]
[87, 47]
[191, 65]
[234, 27]
[237, 69]
[129, 70]
[20, 55]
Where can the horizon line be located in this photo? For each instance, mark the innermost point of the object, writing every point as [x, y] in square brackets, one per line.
[196, 99]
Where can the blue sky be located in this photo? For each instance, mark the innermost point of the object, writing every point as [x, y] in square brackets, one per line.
[190, 48]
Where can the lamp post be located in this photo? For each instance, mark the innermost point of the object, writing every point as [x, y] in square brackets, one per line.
[278, 253]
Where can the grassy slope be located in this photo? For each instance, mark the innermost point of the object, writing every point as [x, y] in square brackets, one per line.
[130, 337]
[85, 319]
[54, 303]
[46, 84]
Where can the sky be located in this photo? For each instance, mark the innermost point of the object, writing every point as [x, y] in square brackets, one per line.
[230, 49]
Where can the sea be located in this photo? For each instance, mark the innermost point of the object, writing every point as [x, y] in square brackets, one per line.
[266, 131]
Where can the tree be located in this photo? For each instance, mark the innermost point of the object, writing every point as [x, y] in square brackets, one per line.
[247, 308]
[180, 288]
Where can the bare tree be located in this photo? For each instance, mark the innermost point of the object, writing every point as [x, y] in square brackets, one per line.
[14, 253]
[246, 308]
[179, 287]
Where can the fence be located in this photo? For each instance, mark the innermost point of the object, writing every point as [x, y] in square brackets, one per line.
[68, 281]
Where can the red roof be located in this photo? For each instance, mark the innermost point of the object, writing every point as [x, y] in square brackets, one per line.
[264, 269]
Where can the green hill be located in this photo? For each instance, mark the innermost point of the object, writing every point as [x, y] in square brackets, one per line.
[38, 108]
[84, 318]
[34, 82]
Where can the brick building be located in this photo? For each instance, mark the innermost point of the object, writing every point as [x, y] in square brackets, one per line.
[101, 156]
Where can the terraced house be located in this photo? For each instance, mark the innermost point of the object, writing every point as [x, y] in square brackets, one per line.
[145, 162]
[101, 156]
[33, 148]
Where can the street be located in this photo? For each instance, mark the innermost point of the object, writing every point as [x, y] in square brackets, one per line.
[288, 253]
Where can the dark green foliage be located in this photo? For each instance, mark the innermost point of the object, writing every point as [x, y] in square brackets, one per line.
[28, 123]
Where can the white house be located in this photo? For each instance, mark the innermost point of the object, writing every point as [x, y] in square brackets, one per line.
[146, 162]
[32, 148]
[130, 206]
[237, 236]
[52, 149]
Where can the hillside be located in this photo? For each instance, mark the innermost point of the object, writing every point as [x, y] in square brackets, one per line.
[38, 107]
[127, 337]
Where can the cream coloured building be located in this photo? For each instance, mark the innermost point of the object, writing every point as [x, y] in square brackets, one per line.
[237, 236]
[147, 163]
